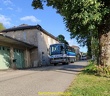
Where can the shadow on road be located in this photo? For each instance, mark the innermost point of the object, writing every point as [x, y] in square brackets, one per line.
[73, 67]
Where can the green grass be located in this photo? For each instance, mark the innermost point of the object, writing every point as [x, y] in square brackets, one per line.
[89, 85]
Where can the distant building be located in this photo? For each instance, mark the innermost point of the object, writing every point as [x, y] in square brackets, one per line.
[25, 46]
[77, 51]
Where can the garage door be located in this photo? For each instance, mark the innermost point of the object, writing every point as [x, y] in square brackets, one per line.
[19, 58]
[4, 57]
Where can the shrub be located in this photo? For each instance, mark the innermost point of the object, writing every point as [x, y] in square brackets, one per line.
[95, 69]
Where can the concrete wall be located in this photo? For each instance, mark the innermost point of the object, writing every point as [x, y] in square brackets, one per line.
[27, 59]
[28, 36]
[34, 57]
[44, 42]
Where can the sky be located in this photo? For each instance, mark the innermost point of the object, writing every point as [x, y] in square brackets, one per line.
[17, 12]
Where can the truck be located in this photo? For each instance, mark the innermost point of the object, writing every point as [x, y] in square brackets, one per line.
[61, 53]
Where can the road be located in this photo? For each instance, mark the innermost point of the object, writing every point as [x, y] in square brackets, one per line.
[44, 79]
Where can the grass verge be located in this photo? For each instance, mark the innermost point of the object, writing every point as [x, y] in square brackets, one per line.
[87, 84]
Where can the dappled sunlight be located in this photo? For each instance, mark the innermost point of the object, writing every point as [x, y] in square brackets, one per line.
[4, 58]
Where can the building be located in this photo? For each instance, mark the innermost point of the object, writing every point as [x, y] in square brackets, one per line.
[28, 46]
[12, 49]
[77, 51]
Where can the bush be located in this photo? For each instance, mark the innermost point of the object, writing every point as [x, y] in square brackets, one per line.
[95, 69]
[91, 68]
[103, 70]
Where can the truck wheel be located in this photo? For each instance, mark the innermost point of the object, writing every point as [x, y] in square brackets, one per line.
[68, 61]
[55, 64]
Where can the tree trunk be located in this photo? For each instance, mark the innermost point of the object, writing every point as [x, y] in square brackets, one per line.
[104, 46]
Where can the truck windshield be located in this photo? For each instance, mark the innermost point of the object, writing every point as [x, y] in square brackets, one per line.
[56, 49]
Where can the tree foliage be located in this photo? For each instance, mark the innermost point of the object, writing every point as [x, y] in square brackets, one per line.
[95, 49]
[61, 38]
[80, 16]
[1, 26]
[84, 19]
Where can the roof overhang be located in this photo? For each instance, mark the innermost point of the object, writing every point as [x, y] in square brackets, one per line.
[9, 40]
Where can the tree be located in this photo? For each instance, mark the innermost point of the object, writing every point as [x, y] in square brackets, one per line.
[1, 26]
[83, 18]
[61, 38]
[94, 48]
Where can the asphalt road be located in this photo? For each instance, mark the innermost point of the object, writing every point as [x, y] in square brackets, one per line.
[33, 82]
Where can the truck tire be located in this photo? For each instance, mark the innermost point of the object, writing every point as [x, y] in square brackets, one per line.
[55, 64]
[67, 62]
